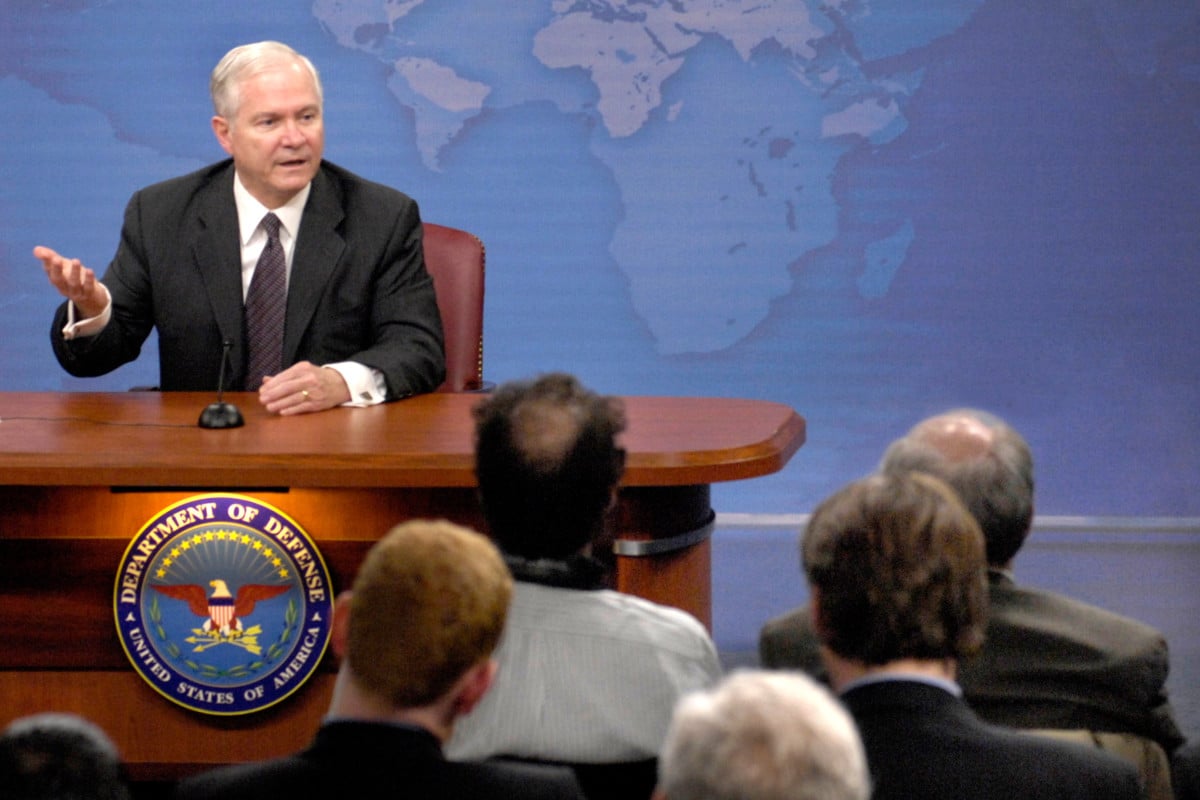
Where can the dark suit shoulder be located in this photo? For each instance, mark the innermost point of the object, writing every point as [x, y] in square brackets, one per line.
[355, 188]
[296, 778]
[789, 642]
[1068, 617]
[366, 760]
[923, 742]
[516, 780]
[1051, 661]
[1078, 770]
[219, 173]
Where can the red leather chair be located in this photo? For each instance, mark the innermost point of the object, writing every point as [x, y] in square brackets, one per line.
[455, 260]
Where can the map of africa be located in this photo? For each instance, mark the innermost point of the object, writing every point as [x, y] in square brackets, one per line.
[867, 209]
[753, 189]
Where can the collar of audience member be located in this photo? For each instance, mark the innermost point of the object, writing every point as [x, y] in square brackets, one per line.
[846, 674]
[1000, 574]
[579, 571]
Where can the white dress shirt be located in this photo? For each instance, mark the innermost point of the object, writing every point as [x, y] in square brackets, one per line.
[367, 386]
[587, 676]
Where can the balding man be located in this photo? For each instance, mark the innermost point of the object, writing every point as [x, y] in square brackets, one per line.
[897, 578]
[588, 676]
[1048, 661]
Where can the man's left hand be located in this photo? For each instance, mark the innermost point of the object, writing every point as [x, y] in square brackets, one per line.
[302, 389]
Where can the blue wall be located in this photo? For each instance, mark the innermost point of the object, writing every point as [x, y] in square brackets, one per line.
[867, 212]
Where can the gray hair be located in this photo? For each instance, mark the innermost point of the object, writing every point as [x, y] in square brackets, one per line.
[763, 735]
[246, 61]
[996, 484]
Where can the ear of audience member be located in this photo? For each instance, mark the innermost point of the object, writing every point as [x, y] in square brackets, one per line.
[59, 756]
[762, 736]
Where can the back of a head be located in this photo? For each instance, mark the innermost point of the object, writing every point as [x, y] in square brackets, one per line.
[429, 602]
[547, 462]
[57, 756]
[762, 735]
[897, 567]
[987, 463]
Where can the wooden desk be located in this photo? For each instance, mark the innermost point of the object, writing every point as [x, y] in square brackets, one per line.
[81, 473]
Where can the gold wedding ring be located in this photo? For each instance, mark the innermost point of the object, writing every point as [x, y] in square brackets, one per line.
[304, 394]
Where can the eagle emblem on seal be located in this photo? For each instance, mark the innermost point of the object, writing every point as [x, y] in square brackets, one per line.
[222, 612]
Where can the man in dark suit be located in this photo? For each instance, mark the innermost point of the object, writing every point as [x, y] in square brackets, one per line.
[415, 636]
[54, 755]
[1047, 661]
[896, 572]
[361, 323]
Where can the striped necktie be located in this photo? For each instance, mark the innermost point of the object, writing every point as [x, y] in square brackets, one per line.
[266, 302]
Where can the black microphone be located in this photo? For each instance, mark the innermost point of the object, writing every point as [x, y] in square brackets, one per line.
[221, 414]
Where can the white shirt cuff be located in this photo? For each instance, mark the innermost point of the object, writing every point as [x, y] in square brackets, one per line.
[367, 386]
[90, 326]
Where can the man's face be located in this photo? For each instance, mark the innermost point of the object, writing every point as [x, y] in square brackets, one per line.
[277, 135]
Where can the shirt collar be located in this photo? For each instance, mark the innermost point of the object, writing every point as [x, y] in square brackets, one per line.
[889, 677]
[250, 211]
[998, 575]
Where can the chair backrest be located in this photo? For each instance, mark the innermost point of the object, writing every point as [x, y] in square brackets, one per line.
[455, 260]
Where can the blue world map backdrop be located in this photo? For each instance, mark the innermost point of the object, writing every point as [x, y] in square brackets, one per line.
[870, 210]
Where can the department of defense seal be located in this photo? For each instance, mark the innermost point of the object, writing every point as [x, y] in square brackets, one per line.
[223, 604]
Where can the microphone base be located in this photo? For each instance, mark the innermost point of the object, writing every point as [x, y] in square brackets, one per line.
[221, 415]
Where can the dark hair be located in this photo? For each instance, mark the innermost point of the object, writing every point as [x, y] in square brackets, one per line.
[898, 567]
[60, 756]
[994, 481]
[547, 462]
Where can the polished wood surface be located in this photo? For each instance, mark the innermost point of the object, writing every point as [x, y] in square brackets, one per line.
[151, 439]
[82, 473]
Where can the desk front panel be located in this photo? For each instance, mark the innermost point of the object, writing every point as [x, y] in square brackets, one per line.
[60, 550]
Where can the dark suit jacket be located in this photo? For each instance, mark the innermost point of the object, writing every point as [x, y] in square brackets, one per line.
[364, 760]
[923, 742]
[1048, 662]
[359, 290]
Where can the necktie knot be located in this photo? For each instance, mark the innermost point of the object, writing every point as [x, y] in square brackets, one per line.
[271, 225]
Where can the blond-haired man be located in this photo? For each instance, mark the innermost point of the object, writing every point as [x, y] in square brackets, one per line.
[415, 636]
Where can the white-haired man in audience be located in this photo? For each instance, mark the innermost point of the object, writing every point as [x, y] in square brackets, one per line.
[762, 736]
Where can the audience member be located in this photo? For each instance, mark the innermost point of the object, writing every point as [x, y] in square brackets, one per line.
[762, 736]
[59, 756]
[1186, 771]
[1048, 661]
[897, 578]
[346, 258]
[588, 675]
[415, 636]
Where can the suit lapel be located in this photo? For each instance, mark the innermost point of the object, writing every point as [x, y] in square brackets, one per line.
[218, 259]
[319, 246]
